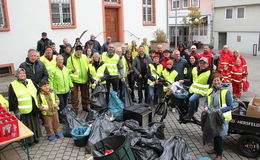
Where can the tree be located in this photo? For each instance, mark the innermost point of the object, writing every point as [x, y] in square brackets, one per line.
[193, 20]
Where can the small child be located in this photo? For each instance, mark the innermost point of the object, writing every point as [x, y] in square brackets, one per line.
[238, 75]
[226, 74]
[48, 103]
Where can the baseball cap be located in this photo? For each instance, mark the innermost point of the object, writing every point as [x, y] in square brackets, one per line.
[109, 38]
[193, 47]
[204, 59]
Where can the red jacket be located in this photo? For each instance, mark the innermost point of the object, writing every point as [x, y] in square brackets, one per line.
[224, 58]
[238, 74]
[226, 76]
[243, 62]
[208, 55]
[195, 54]
[164, 61]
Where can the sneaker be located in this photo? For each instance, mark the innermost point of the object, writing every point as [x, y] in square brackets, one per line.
[187, 117]
[59, 135]
[52, 138]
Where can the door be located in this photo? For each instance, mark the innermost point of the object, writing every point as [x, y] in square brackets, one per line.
[112, 23]
[222, 39]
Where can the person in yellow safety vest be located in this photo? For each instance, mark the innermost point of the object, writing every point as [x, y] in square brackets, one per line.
[199, 87]
[22, 98]
[191, 71]
[78, 63]
[115, 68]
[169, 73]
[219, 97]
[4, 103]
[154, 71]
[97, 71]
[48, 59]
[146, 46]
[48, 103]
[60, 82]
[134, 48]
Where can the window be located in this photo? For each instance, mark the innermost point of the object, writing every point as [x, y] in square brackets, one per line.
[4, 19]
[175, 4]
[229, 13]
[238, 38]
[196, 31]
[195, 3]
[111, 1]
[240, 12]
[149, 12]
[63, 14]
[200, 31]
[185, 3]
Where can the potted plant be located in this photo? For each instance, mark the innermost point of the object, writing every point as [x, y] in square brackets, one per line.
[160, 39]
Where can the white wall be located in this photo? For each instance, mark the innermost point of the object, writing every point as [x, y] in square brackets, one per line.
[133, 20]
[29, 18]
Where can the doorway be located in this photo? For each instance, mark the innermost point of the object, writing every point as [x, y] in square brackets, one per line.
[112, 23]
[222, 39]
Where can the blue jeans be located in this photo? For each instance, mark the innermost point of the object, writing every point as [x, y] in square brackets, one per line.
[150, 95]
[193, 102]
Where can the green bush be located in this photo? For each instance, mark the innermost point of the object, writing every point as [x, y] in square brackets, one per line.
[160, 37]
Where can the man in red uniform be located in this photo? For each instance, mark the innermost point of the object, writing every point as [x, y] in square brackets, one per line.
[207, 54]
[237, 55]
[224, 58]
[238, 75]
[194, 51]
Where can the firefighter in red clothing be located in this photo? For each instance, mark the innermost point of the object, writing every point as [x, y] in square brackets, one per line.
[238, 75]
[226, 74]
[237, 55]
[224, 58]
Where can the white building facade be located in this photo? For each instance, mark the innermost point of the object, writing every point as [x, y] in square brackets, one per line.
[236, 24]
[22, 22]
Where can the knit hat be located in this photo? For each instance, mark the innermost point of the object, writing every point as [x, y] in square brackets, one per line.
[79, 47]
[169, 62]
[193, 47]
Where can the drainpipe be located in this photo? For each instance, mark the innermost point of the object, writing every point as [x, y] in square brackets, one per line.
[167, 20]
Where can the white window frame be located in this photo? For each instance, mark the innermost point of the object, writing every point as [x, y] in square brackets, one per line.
[111, 1]
[146, 6]
[176, 2]
[237, 12]
[60, 2]
[183, 4]
[226, 14]
[3, 25]
[192, 3]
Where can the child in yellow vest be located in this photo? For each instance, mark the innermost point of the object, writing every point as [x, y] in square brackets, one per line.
[49, 105]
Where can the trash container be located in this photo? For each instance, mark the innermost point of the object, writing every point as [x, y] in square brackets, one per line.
[118, 146]
[80, 135]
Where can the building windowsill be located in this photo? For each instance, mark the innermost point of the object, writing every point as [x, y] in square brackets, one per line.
[64, 27]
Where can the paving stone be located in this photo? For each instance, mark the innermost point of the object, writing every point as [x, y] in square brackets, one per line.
[65, 157]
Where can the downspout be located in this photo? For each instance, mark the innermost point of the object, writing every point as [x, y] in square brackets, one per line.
[167, 20]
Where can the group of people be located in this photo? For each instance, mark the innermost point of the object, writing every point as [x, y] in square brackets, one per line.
[48, 78]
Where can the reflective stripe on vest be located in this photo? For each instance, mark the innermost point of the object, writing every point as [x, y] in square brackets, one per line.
[200, 84]
[24, 95]
[158, 70]
[169, 77]
[97, 74]
[111, 64]
[45, 104]
[48, 64]
[228, 114]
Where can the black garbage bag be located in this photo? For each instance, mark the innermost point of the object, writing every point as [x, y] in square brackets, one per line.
[71, 121]
[98, 99]
[92, 115]
[176, 148]
[146, 149]
[128, 99]
[100, 129]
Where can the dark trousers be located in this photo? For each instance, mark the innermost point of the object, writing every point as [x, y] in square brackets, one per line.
[84, 91]
[131, 84]
[218, 145]
[63, 103]
[142, 85]
[115, 84]
[121, 91]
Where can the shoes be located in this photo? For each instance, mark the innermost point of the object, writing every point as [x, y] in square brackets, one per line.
[212, 151]
[172, 110]
[59, 135]
[51, 138]
[218, 158]
[188, 116]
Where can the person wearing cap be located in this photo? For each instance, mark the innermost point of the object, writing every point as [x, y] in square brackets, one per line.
[63, 46]
[199, 87]
[48, 103]
[115, 68]
[78, 63]
[140, 65]
[194, 51]
[179, 64]
[90, 45]
[67, 53]
[165, 58]
[134, 48]
[96, 44]
[35, 69]
[48, 59]
[22, 98]
[60, 82]
[154, 71]
[106, 44]
[43, 43]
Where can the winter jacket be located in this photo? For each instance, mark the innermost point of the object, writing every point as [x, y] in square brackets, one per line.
[60, 80]
[49, 64]
[65, 56]
[35, 71]
[226, 76]
[179, 67]
[190, 74]
[96, 46]
[207, 55]
[105, 47]
[243, 62]
[163, 61]
[224, 59]
[195, 54]
[238, 74]
[134, 50]
[62, 49]
[137, 63]
[42, 44]
[51, 110]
